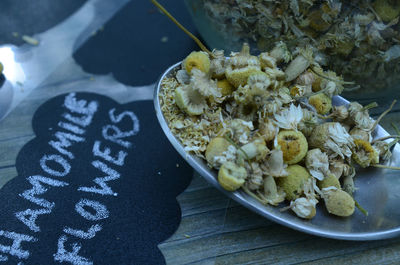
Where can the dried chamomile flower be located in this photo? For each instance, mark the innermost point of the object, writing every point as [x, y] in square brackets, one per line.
[329, 181]
[240, 66]
[300, 90]
[306, 79]
[247, 111]
[274, 164]
[225, 86]
[332, 138]
[256, 149]
[339, 202]
[339, 113]
[276, 75]
[359, 116]
[293, 145]
[383, 150]
[267, 129]
[317, 163]
[241, 130]
[364, 154]
[293, 183]
[218, 64]
[255, 179]
[206, 86]
[331, 84]
[339, 167]
[183, 77]
[266, 60]
[387, 10]
[303, 207]
[190, 100]
[321, 102]
[216, 147]
[299, 64]
[198, 60]
[281, 53]
[308, 123]
[229, 155]
[231, 176]
[273, 194]
[358, 133]
[259, 81]
[289, 118]
[255, 91]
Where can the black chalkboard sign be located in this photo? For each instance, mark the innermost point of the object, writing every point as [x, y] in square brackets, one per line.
[97, 185]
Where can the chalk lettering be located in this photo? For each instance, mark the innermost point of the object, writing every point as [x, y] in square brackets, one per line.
[130, 114]
[116, 135]
[70, 127]
[119, 160]
[57, 159]
[39, 189]
[63, 255]
[28, 218]
[15, 249]
[65, 141]
[81, 107]
[3, 258]
[82, 234]
[100, 209]
[105, 189]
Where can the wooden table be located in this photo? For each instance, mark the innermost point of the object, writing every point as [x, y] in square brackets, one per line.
[214, 229]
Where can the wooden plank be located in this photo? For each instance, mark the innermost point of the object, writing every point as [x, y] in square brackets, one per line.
[11, 147]
[215, 245]
[382, 255]
[300, 251]
[6, 174]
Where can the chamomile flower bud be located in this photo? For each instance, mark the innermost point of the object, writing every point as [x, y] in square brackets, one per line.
[231, 176]
[281, 53]
[383, 150]
[332, 138]
[364, 154]
[215, 148]
[293, 183]
[339, 113]
[225, 86]
[293, 145]
[358, 133]
[317, 163]
[339, 202]
[198, 60]
[330, 180]
[321, 102]
[240, 66]
[266, 60]
[303, 207]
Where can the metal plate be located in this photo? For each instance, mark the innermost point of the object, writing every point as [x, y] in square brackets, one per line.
[378, 192]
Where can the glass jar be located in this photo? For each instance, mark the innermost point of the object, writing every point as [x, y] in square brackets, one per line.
[358, 39]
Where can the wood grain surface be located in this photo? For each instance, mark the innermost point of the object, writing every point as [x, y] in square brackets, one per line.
[214, 229]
